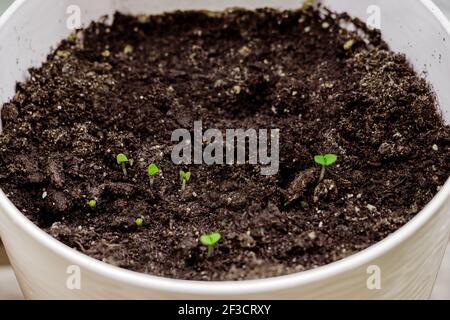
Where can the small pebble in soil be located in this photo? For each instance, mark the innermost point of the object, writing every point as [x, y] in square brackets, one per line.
[312, 235]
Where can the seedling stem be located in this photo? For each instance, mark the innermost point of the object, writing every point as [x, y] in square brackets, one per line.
[322, 173]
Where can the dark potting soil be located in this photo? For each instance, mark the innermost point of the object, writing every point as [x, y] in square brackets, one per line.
[126, 87]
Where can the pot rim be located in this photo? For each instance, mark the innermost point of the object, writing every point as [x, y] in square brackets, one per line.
[146, 281]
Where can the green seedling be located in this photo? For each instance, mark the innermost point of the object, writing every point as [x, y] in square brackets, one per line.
[92, 204]
[139, 222]
[152, 171]
[210, 240]
[185, 177]
[122, 160]
[325, 160]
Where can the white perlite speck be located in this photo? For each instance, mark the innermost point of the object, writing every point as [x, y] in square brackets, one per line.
[312, 235]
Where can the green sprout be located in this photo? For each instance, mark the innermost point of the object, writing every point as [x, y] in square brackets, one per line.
[139, 222]
[122, 161]
[92, 204]
[152, 171]
[185, 177]
[210, 240]
[325, 160]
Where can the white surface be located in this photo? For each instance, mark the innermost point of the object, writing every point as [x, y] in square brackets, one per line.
[441, 289]
[409, 259]
[9, 290]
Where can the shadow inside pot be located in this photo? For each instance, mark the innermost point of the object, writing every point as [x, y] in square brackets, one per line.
[3, 257]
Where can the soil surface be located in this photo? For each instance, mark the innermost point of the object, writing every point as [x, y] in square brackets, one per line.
[124, 88]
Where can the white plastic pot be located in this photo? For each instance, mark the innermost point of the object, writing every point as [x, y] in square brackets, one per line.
[409, 259]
